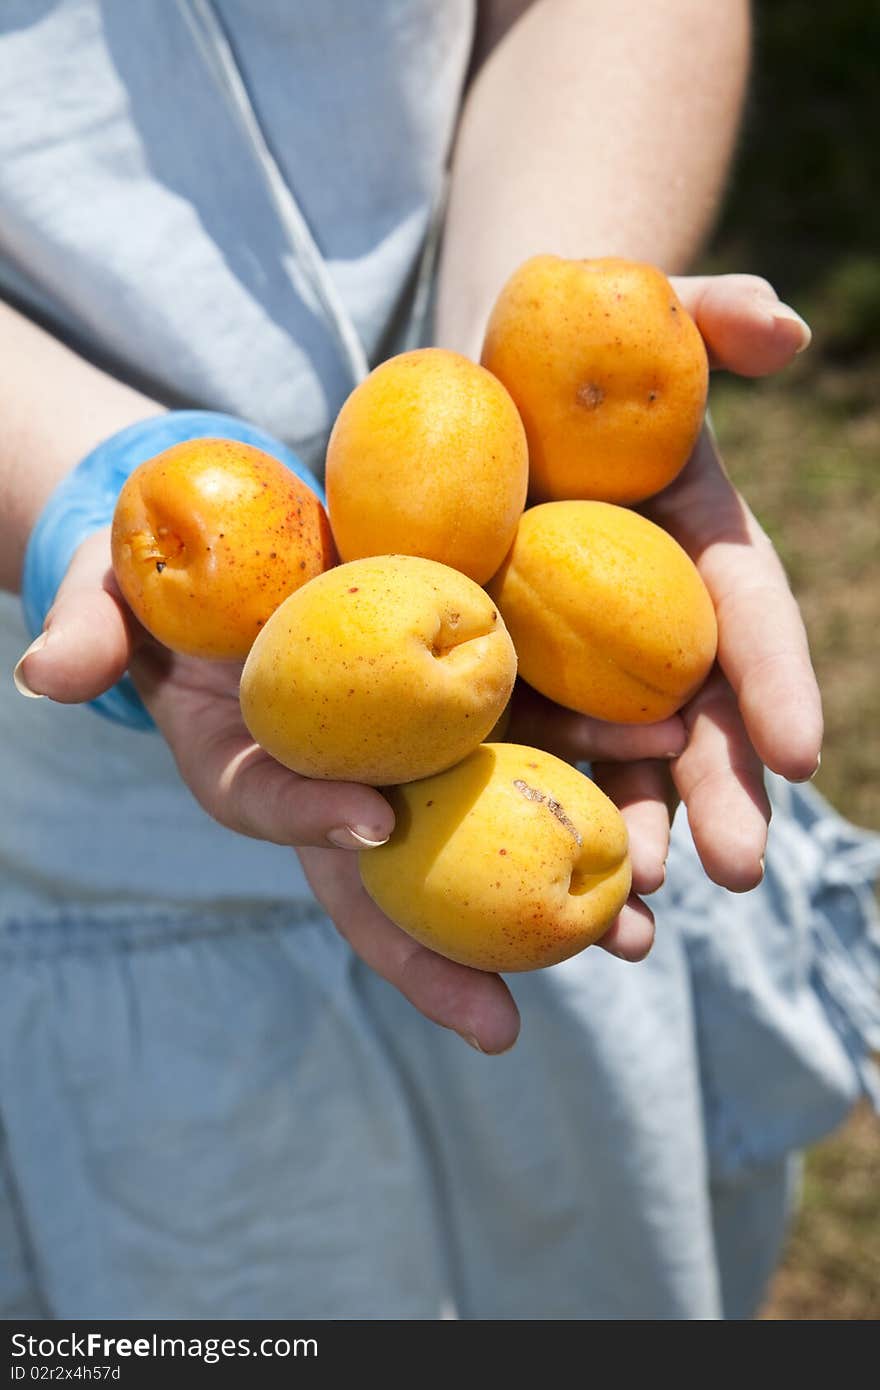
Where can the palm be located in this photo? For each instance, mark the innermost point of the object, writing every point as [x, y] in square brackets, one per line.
[196, 705]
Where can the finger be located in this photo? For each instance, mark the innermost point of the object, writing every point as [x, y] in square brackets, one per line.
[476, 1005]
[719, 777]
[540, 723]
[87, 639]
[762, 647]
[744, 324]
[762, 642]
[642, 793]
[195, 706]
[631, 936]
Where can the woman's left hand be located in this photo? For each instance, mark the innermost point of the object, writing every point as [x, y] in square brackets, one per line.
[761, 705]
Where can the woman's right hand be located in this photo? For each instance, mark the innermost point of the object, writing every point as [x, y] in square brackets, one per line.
[91, 638]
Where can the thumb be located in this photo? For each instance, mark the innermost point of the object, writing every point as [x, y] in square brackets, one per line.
[87, 639]
[745, 326]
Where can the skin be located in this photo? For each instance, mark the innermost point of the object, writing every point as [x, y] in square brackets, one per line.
[530, 116]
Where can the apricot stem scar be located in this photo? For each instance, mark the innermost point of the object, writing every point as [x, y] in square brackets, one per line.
[590, 395]
[553, 806]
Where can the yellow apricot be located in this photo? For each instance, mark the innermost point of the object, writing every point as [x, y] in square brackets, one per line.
[608, 371]
[379, 671]
[608, 614]
[428, 457]
[512, 860]
[208, 537]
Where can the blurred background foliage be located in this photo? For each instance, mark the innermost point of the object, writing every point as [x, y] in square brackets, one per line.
[803, 210]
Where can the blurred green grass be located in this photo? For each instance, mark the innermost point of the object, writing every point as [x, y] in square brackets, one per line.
[803, 210]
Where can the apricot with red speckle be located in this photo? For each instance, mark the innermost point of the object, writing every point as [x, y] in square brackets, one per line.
[208, 538]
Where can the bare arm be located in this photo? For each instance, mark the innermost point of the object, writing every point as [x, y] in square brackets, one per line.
[55, 407]
[594, 127]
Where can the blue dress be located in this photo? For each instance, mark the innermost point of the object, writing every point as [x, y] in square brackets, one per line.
[208, 1106]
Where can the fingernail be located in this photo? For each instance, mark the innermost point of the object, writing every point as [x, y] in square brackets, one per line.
[815, 771]
[346, 838]
[761, 862]
[21, 684]
[784, 313]
[471, 1041]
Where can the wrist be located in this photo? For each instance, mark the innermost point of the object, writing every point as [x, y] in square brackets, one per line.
[84, 502]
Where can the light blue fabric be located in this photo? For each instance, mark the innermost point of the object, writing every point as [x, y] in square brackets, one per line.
[788, 1017]
[226, 1115]
[139, 217]
[208, 1106]
[84, 502]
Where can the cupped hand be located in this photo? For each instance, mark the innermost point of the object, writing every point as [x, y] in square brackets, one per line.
[761, 705]
[91, 639]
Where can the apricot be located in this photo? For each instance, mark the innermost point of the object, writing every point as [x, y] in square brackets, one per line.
[380, 671]
[608, 371]
[208, 537]
[513, 860]
[428, 457]
[608, 614]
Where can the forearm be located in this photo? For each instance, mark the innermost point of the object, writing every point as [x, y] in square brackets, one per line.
[55, 407]
[595, 127]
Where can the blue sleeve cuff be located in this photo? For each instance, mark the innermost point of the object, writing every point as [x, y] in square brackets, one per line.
[85, 500]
